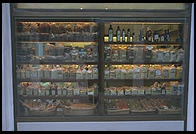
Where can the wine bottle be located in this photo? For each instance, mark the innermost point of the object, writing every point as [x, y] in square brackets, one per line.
[128, 35]
[118, 34]
[110, 32]
[123, 35]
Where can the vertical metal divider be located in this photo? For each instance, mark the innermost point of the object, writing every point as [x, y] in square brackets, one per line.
[13, 45]
[186, 43]
[101, 68]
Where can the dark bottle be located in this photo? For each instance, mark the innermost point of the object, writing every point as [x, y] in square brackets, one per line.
[110, 32]
[167, 35]
[162, 38]
[141, 36]
[118, 34]
[156, 36]
[123, 35]
[133, 37]
[128, 35]
[149, 34]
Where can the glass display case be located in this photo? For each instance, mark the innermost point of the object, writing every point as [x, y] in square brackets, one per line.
[100, 68]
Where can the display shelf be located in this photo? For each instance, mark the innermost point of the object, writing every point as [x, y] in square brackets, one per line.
[143, 43]
[139, 95]
[57, 97]
[56, 62]
[144, 62]
[57, 80]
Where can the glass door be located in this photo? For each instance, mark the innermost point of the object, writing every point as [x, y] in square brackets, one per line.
[144, 68]
[56, 68]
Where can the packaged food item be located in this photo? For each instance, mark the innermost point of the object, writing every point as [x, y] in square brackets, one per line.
[34, 73]
[127, 90]
[107, 91]
[160, 55]
[130, 72]
[76, 91]
[151, 72]
[74, 54]
[28, 73]
[59, 72]
[165, 72]
[90, 91]
[134, 90]
[89, 73]
[95, 73]
[112, 73]
[108, 53]
[131, 53]
[122, 53]
[64, 92]
[20, 89]
[148, 53]
[54, 73]
[166, 56]
[29, 91]
[139, 53]
[106, 73]
[65, 72]
[180, 55]
[140, 90]
[113, 90]
[35, 91]
[118, 72]
[148, 90]
[22, 73]
[84, 73]
[154, 55]
[83, 91]
[59, 90]
[18, 73]
[173, 56]
[179, 72]
[53, 89]
[115, 53]
[163, 88]
[47, 73]
[120, 91]
[136, 73]
[123, 72]
[143, 70]
[79, 73]
[172, 72]
[158, 72]
[72, 71]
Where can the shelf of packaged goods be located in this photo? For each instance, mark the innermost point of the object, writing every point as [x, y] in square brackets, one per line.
[161, 63]
[142, 80]
[57, 80]
[139, 95]
[143, 43]
[56, 62]
[57, 97]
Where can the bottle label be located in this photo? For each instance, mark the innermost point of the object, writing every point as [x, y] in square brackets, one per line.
[53, 92]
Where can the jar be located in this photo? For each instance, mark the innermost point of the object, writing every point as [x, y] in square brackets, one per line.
[136, 73]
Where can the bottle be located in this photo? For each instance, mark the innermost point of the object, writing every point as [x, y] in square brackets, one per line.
[128, 35]
[149, 34]
[156, 36]
[133, 37]
[123, 35]
[141, 36]
[167, 35]
[118, 34]
[110, 32]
